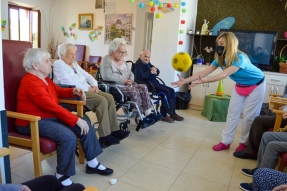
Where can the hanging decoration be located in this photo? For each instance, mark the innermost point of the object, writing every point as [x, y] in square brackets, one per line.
[182, 23]
[157, 5]
[94, 34]
[3, 24]
[71, 34]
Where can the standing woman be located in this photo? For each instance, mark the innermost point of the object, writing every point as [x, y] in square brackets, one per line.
[248, 92]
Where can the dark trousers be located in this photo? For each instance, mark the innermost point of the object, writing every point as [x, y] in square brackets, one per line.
[50, 183]
[170, 94]
[260, 125]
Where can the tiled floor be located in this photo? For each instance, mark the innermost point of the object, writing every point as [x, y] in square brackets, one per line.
[175, 156]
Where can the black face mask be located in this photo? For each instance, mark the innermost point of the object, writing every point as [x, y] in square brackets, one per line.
[220, 50]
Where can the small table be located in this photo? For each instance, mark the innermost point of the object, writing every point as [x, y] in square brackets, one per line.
[216, 107]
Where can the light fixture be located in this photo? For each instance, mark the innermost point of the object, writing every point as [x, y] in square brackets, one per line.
[100, 4]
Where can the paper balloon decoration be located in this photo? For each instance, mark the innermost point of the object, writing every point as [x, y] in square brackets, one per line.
[183, 10]
[94, 34]
[141, 5]
[168, 5]
[181, 61]
[158, 16]
[160, 5]
[132, 1]
[150, 3]
[181, 31]
[3, 24]
[157, 2]
[175, 5]
[152, 9]
[182, 21]
[180, 42]
[183, 4]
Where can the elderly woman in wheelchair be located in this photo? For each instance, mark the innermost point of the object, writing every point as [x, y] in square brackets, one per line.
[67, 71]
[38, 95]
[114, 68]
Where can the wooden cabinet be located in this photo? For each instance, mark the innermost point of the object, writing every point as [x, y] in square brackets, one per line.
[200, 91]
[275, 83]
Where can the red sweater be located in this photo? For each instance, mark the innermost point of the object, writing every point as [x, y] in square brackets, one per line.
[35, 97]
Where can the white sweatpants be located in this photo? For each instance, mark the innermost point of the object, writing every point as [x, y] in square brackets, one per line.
[251, 108]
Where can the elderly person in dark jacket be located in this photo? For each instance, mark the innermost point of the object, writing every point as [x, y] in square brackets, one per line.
[143, 69]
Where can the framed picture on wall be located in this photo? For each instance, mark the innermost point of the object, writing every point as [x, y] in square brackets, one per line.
[118, 26]
[86, 21]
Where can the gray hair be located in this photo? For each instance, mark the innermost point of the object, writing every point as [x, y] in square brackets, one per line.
[115, 44]
[34, 55]
[143, 50]
[62, 48]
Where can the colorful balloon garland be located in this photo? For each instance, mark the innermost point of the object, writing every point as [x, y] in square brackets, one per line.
[66, 34]
[154, 3]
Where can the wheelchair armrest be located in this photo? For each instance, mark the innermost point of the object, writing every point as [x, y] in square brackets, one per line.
[65, 86]
[159, 79]
[149, 85]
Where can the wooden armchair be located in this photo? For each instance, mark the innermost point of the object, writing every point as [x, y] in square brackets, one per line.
[13, 71]
[80, 55]
[275, 102]
[93, 64]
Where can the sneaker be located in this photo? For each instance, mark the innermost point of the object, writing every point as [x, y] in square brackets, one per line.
[177, 117]
[220, 146]
[248, 172]
[154, 116]
[167, 119]
[243, 155]
[246, 186]
[241, 147]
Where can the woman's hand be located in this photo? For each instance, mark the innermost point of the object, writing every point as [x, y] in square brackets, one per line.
[80, 92]
[24, 188]
[284, 116]
[179, 83]
[196, 82]
[282, 187]
[128, 82]
[83, 125]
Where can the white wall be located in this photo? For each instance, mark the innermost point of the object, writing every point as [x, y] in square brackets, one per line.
[4, 15]
[166, 36]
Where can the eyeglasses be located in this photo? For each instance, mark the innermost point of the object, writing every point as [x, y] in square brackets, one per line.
[122, 53]
[75, 70]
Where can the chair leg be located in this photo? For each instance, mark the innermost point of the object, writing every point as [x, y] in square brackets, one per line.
[36, 148]
[81, 153]
[281, 166]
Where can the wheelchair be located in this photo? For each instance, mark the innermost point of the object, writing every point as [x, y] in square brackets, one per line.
[130, 108]
[158, 97]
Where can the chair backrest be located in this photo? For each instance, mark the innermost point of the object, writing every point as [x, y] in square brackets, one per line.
[96, 59]
[81, 52]
[13, 71]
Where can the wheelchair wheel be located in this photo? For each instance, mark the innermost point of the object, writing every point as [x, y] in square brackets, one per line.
[124, 126]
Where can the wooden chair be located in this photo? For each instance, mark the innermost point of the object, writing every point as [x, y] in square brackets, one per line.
[94, 64]
[275, 102]
[80, 55]
[13, 72]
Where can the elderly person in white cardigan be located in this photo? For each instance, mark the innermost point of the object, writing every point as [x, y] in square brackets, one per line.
[114, 68]
[67, 71]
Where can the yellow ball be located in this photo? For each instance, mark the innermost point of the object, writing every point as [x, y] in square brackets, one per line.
[181, 61]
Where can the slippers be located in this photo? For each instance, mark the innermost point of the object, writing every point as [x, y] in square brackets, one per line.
[63, 178]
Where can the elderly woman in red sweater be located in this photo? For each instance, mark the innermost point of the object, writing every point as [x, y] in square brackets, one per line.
[38, 95]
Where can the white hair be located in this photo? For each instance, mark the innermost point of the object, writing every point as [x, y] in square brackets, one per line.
[62, 48]
[36, 56]
[143, 50]
[115, 44]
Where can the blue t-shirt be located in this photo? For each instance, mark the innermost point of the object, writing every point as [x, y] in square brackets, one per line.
[248, 74]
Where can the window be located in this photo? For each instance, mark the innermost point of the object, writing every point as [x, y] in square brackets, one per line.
[24, 25]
